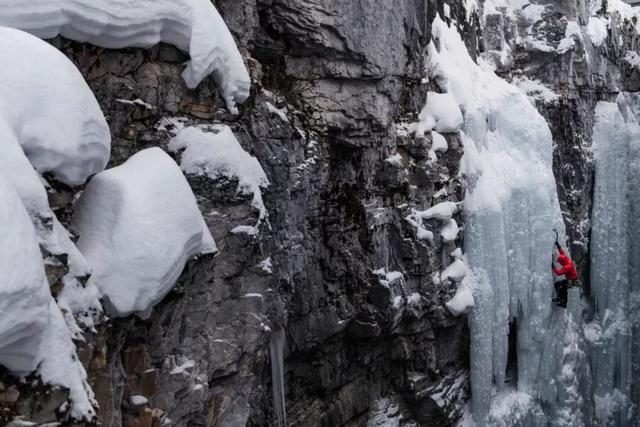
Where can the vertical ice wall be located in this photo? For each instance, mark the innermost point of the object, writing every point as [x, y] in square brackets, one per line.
[510, 208]
[614, 259]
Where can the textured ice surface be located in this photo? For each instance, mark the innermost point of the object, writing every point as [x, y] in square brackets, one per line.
[59, 126]
[194, 26]
[139, 224]
[615, 282]
[216, 153]
[33, 333]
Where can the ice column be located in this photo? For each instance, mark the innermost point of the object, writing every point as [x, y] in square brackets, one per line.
[615, 139]
[277, 377]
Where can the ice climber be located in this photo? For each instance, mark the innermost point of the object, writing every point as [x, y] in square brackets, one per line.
[568, 270]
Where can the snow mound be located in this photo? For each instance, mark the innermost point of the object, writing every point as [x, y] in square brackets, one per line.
[439, 142]
[33, 333]
[139, 224]
[194, 26]
[450, 231]
[218, 154]
[455, 272]
[59, 126]
[442, 211]
[441, 113]
[462, 302]
[597, 30]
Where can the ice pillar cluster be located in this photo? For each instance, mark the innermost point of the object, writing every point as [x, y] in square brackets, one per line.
[615, 259]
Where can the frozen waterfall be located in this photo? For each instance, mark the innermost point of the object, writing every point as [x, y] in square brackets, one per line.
[510, 209]
[615, 255]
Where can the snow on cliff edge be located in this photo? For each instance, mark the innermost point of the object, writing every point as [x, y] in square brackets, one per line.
[194, 26]
[215, 152]
[33, 333]
[46, 103]
[139, 224]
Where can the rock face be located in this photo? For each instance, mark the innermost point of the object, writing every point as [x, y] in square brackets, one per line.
[334, 85]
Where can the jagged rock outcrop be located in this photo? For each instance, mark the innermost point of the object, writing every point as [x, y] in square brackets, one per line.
[334, 85]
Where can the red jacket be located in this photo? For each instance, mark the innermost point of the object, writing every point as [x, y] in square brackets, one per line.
[568, 269]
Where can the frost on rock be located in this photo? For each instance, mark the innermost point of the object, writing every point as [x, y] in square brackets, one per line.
[510, 208]
[535, 90]
[59, 126]
[615, 265]
[139, 224]
[33, 333]
[194, 26]
[216, 154]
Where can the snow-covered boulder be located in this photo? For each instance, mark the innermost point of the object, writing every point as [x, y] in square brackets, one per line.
[194, 26]
[33, 332]
[216, 153]
[50, 109]
[139, 224]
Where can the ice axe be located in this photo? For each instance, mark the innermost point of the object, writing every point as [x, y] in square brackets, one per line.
[552, 257]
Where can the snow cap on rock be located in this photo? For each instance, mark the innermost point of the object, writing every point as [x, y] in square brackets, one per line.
[139, 224]
[50, 109]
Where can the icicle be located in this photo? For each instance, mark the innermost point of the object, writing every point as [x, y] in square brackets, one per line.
[277, 377]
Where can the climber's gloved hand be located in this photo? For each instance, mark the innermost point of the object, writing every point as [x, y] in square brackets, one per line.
[557, 245]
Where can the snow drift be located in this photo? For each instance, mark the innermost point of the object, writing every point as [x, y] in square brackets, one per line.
[50, 120]
[139, 224]
[194, 26]
[33, 333]
[51, 111]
